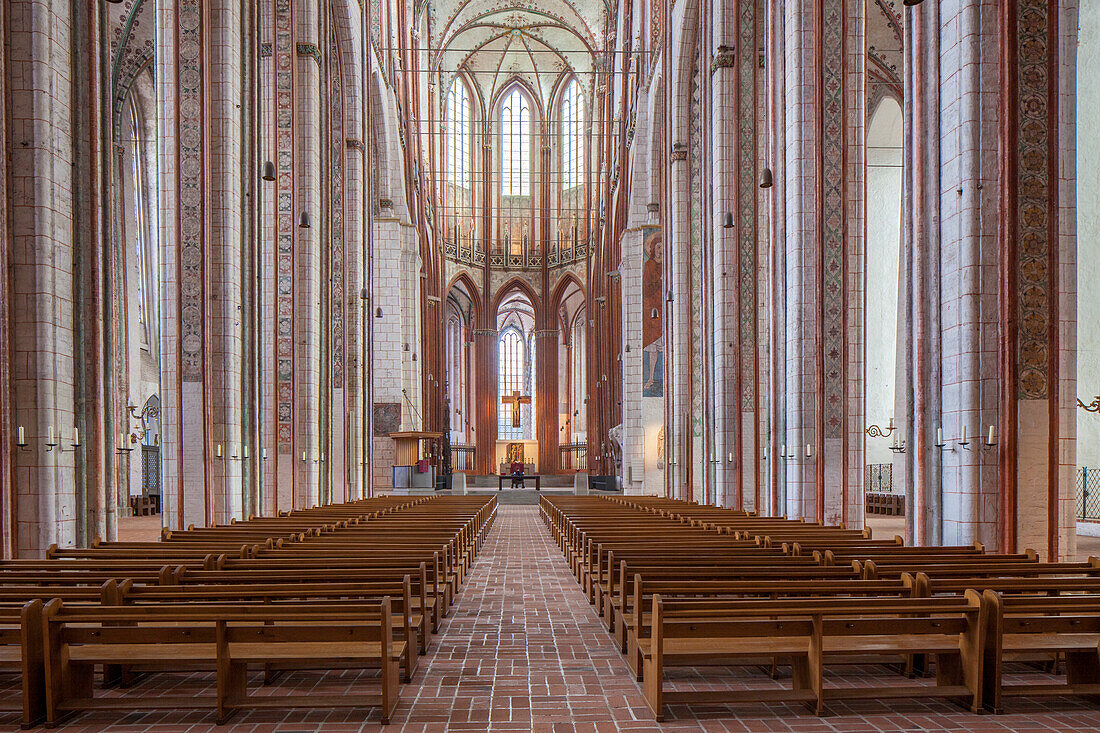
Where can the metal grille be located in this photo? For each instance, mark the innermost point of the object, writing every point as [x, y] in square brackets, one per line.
[1088, 493]
[462, 457]
[150, 470]
[880, 478]
[574, 457]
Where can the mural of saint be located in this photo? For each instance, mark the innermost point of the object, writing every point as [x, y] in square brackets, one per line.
[653, 330]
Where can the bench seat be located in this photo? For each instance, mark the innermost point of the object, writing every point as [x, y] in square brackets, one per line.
[325, 651]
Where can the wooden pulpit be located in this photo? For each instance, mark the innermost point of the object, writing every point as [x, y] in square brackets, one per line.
[407, 453]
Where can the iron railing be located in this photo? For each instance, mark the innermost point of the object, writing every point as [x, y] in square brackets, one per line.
[1088, 493]
[880, 478]
[462, 457]
[574, 456]
[150, 470]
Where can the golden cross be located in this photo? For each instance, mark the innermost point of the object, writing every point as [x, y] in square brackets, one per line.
[515, 400]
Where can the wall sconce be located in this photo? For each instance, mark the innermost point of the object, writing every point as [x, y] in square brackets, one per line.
[21, 438]
[51, 438]
[218, 450]
[268, 173]
[669, 298]
[729, 221]
[303, 220]
[75, 444]
[911, 3]
[991, 438]
[964, 441]
[263, 454]
[876, 432]
[654, 313]
[766, 178]
[377, 312]
[628, 348]
[303, 456]
[898, 446]
[809, 451]
[939, 438]
[125, 443]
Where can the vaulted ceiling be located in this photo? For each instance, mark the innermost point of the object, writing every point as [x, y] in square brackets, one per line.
[496, 41]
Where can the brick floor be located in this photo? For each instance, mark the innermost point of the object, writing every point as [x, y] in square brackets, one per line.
[523, 651]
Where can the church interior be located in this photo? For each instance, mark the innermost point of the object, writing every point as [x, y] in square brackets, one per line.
[571, 365]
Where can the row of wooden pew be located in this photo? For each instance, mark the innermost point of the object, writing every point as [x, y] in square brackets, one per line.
[683, 585]
[357, 586]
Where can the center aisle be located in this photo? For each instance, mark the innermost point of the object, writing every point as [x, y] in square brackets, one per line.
[522, 649]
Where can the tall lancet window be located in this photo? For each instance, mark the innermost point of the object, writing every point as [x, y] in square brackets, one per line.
[515, 147]
[458, 135]
[513, 381]
[572, 137]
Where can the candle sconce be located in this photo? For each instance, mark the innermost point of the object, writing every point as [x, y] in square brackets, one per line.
[141, 429]
[61, 443]
[990, 441]
[964, 441]
[876, 432]
[125, 443]
[21, 439]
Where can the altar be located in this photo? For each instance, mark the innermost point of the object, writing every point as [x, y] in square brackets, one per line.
[527, 450]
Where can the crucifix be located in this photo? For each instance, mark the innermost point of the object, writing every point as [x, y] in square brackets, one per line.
[515, 400]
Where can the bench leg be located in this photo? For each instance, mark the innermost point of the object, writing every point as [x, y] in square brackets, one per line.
[232, 679]
[1083, 668]
[390, 689]
[950, 672]
[652, 686]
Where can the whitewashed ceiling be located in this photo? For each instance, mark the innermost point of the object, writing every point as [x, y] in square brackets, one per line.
[496, 41]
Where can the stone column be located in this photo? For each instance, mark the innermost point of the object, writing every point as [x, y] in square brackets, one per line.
[678, 330]
[53, 117]
[227, 230]
[308, 137]
[820, 290]
[724, 256]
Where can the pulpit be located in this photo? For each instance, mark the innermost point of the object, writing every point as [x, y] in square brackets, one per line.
[412, 464]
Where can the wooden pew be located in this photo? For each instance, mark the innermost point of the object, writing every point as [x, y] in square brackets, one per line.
[1022, 626]
[224, 639]
[812, 634]
[409, 624]
[637, 622]
[22, 653]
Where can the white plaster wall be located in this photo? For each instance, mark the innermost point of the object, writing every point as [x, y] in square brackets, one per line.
[1088, 232]
[884, 159]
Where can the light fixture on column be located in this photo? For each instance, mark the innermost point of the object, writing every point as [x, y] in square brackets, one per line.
[303, 220]
[377, 312]
[729, 221]
[766, 178]
[268, 171]
[991, 438]
[911, 3]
